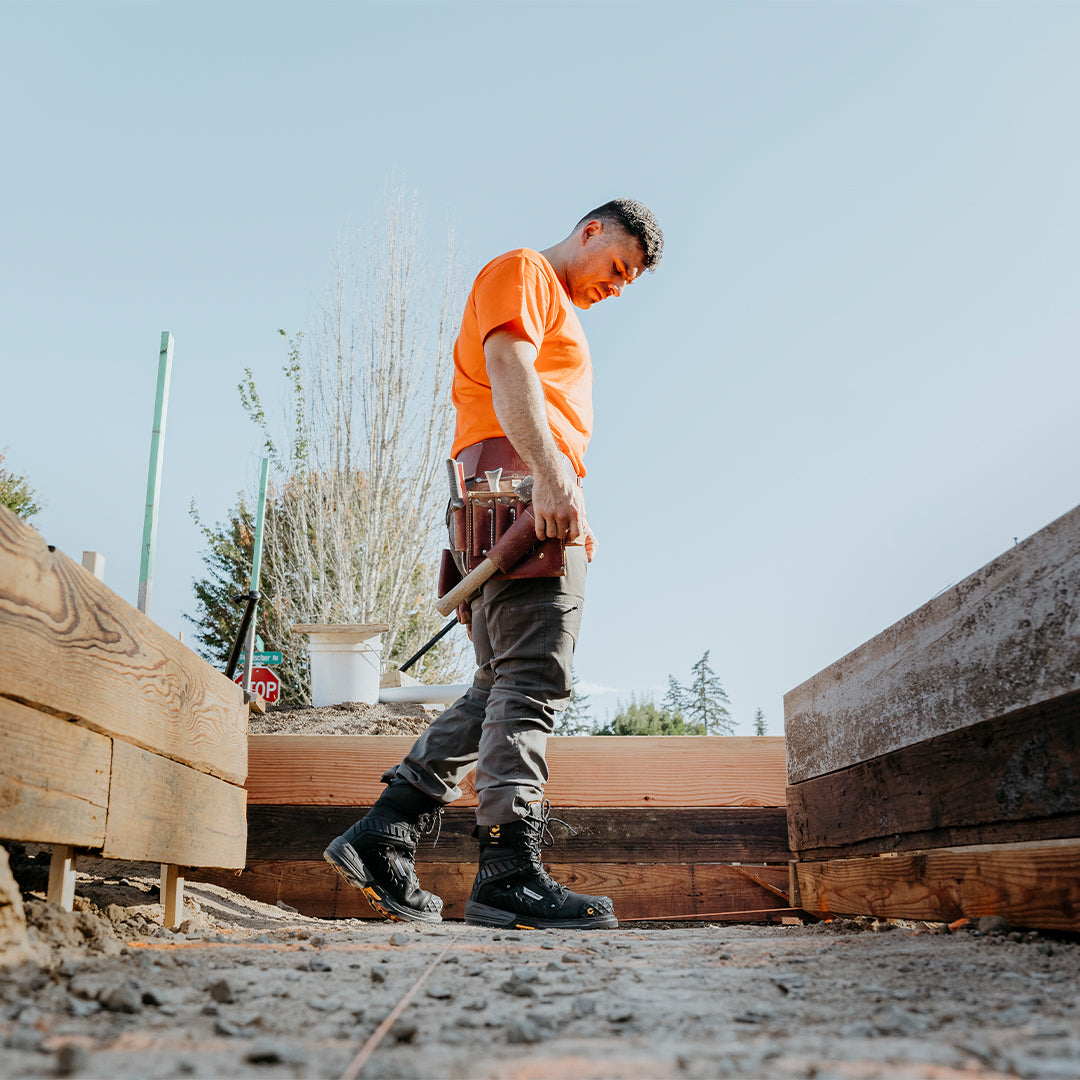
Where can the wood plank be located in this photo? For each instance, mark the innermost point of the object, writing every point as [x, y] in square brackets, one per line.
[962, 785]
[639, 892]
[695, 834]
[172, 895]
[1003, 639]
[1032, 885]
[61, 890]
[74, 648]
[592, 770]
[161, 811]
[54, 779]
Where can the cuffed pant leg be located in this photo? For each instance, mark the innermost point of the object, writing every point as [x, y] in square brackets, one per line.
[447, 751]
[533, 627]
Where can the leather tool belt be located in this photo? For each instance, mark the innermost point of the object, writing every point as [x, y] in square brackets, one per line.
[487, 514]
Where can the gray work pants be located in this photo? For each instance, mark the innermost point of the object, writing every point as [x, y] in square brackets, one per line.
[524, 632]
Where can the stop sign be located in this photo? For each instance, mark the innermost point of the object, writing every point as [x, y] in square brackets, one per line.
[264, 682]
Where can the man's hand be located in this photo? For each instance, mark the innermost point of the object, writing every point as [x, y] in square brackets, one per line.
[558, 506]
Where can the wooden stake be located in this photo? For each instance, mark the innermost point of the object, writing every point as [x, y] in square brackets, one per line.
[172, 895]
[94, 561]
[62, 876]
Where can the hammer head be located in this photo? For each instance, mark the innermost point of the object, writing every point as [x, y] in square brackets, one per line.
[523, 489]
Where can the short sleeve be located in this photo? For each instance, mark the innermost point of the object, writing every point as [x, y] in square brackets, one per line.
[513, 289]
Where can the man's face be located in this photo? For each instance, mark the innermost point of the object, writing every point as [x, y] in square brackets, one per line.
[605, 262]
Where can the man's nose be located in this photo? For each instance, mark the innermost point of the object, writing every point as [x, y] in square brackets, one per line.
[615, 288]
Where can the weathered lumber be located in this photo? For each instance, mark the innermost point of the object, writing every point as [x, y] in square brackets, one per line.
[1013, 778]
[75, 649]
[54, 778]
[161, 811]
[654, 835]
[639, 892]
[344, 770]
[1003, 639]
[1034, 885]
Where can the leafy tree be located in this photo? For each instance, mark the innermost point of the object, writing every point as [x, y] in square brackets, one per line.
[648, 718]
[759, 722]
[355, 503]
[706, 699]
[16, 493]
[576, 718]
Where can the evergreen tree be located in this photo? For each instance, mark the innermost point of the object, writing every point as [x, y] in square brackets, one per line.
[17, 494]
[648, 718]
[759, 722]
[706, 699]
[675, 700]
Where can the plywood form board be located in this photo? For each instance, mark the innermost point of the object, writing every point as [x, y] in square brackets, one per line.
[74, 648]
[1005, 638]
[345, 770]
[654, 835]
[162, 811]
[1033, 885]
[1014, 778]
[639, 892]
[54, 779]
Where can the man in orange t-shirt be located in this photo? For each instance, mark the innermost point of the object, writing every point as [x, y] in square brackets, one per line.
[523, 395]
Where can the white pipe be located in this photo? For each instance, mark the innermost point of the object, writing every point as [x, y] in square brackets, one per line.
[422, 694]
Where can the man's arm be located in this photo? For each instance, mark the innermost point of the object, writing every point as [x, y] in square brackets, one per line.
[518, 399]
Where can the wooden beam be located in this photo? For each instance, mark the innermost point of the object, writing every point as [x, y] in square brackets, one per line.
[54, 778]
[638, 771]
[75, 649]
[639, 892]
[694, 834]
[1010, 778]
[1032, 885]
[1000, 641]
[161, 811]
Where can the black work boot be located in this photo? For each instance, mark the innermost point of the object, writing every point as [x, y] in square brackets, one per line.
[512, 888]
[377, 854]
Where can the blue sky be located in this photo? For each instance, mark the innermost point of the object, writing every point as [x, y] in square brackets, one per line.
[852, 381]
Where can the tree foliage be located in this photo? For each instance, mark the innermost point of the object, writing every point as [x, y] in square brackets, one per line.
[760, 727]
[648, 718]
[355, 504]
[17, 494]
[707, 701]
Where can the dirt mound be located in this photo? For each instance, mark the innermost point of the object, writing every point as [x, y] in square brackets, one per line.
[348, 718]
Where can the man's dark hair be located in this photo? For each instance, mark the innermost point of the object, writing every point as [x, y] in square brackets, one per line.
[636, 219]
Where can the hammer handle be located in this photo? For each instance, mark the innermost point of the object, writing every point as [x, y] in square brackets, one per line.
[509, 550]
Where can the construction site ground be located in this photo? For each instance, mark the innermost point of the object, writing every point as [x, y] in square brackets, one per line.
[249, 989]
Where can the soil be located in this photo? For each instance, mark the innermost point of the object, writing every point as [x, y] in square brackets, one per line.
[248, 989]
[349, 718]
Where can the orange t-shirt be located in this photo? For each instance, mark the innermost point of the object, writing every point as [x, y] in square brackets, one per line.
[522, 286]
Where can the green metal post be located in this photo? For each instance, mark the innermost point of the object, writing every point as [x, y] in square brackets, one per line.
[256, 566]
[153, 482]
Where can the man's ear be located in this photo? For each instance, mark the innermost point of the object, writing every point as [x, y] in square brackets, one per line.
[591, 229]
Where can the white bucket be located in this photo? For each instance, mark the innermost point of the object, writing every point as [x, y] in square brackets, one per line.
[345, 666]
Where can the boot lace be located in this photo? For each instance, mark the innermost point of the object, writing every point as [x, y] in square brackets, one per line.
[431, 822]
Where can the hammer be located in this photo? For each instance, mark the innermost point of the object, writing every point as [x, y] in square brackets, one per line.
[507, 552]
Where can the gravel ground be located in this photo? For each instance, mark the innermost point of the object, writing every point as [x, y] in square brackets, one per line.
[247, 989]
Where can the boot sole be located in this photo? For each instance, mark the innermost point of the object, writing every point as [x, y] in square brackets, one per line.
[343, 858]
[477, 914]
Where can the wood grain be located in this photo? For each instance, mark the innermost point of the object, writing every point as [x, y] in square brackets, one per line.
[1032, 885]
[694, 834]
[74, 648]
[161, 811]
[344, 770]
[1020, 770]
[1001, 640]
[639, 892]
[54, 779]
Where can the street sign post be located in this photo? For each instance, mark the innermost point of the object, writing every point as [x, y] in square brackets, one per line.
[264, 682]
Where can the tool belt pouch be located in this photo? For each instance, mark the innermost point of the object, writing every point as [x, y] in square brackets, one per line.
[486, 516]
[449, 574]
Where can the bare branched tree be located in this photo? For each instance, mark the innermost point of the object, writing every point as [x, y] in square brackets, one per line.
[357, 498]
